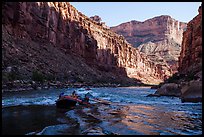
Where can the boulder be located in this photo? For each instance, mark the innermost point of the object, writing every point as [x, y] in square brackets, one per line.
[169, 89]
[153, 95]
[192, 92]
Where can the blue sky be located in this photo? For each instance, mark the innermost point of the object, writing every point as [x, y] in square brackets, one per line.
[115, 13]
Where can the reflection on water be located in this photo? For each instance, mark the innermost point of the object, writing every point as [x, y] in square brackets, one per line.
[152, 121]
[130, 113]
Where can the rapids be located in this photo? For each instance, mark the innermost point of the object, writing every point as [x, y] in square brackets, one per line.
[130, 113]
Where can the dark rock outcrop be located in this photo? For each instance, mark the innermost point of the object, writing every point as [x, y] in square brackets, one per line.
[62, 43]
[169, 89]
[96, 18]
[192, 92]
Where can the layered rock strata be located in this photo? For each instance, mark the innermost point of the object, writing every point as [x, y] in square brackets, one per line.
[56, 39]
[188, 80]
[159, 37]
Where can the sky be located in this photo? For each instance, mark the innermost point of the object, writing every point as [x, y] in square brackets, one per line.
[115, 13]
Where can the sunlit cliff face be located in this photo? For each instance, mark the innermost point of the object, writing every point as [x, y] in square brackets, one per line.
[159, 38]
[60, 24]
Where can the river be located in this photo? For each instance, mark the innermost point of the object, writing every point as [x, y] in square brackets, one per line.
[130, 113]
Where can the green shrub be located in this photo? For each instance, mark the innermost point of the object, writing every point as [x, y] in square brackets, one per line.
[173, 79]
[10, 76]
[4, 77]
[37, 76]
[190, 76]
[50, 77]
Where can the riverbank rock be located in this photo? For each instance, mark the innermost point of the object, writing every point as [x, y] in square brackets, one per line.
[153, 95]
[155, 86]
[169, 89]
[192, 92]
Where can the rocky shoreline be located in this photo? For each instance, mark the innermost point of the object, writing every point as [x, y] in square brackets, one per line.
[28, 85]
[190, 91]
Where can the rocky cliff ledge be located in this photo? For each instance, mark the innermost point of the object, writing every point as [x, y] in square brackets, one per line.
[159, 37]
[53, 38]
[187, 83]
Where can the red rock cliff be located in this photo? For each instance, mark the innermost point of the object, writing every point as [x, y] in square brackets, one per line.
[191, 52]
[154, 29]
[187, 83]
[159, 37]
[61, 25]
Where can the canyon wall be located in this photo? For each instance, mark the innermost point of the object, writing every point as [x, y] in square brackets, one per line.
[191, 53]
[159, 37]
[187, 83]
[53, 37]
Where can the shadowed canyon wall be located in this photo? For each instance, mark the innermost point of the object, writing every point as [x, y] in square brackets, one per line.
[191, 52]
[56, 39]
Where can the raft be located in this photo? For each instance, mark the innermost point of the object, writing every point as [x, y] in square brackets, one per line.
[66, 102]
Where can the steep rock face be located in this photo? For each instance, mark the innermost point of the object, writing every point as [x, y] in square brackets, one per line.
[191, 53]
[55, 38]
[155, 29]
[189, 76]
[159, 37]
[190, 60]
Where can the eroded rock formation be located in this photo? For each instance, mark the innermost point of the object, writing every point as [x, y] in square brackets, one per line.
[96, 18]
[189, 76]
[56, 39]
[191, 53]
[190, 60]
[160, 38]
